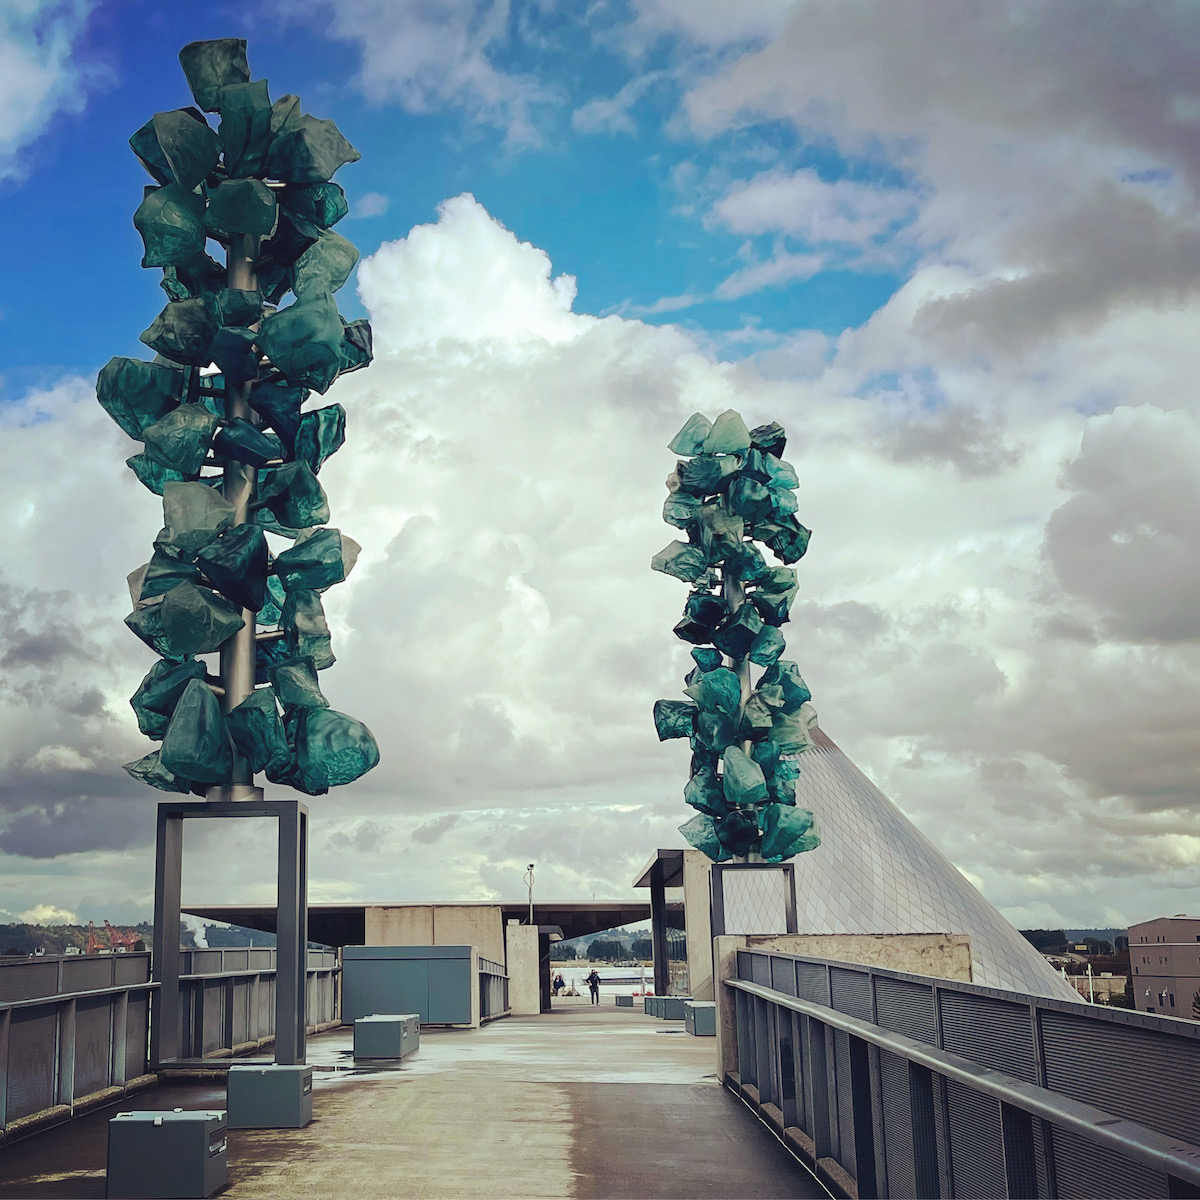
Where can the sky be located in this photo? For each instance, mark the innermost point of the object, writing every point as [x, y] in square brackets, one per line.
[954, 249]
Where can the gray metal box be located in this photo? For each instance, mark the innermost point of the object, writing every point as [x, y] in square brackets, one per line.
[671, 1007]
[435, 982]
[648, 1005]
[166, 1153]
[624, 1001]
[270, 1096]
[700, 1017]
[386, 1035]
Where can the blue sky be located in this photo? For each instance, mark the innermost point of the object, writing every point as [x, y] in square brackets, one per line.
[954, 249]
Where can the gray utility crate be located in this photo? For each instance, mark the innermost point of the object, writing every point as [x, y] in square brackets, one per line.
[435, 982]
[624, 1001]
[671, 1007]
[648, 1005]
[166, 1154]
[270, 1096]
[386, 1035]
[700, 1017]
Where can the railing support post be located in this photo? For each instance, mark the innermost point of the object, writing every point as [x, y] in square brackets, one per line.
[1020, 1166]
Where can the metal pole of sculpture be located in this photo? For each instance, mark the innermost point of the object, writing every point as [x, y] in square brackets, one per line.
[732, 490]
[228, 446]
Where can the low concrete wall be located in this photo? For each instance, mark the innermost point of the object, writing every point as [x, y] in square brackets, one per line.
[478, 925]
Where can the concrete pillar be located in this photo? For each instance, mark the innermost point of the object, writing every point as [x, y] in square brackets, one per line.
[697, 918]
[523, 959]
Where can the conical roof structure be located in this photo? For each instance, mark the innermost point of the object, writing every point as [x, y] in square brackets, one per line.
[875, 872]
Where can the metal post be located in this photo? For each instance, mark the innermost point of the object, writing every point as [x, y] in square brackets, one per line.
[1020, 1164]
[529, 881]
[291, 955]
[658, 930]
[864, 1127]
[165, 1007]
[238, 486]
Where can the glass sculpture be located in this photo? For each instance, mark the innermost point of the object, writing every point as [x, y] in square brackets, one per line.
[730, 491]
[227, 441]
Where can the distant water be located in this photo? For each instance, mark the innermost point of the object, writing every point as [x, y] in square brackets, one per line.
[614, 981]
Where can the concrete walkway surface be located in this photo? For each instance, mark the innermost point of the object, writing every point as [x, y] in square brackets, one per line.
[582, 1102]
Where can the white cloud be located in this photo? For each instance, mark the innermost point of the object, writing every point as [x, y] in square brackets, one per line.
[48, 914]
[611, 114]
[370, 204]
[38, 78]
[783, 267]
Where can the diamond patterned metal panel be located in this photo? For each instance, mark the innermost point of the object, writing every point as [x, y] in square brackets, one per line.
[755, 900]
[875, 872]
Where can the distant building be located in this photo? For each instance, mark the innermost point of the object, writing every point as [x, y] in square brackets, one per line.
[1164, 956]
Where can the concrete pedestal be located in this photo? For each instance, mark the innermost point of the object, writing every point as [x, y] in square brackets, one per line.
[700, 1017]
[167, 1154]
[270, 1097]
[386, 1035]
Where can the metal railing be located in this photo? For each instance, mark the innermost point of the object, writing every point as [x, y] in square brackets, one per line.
[897, 1085]
[73, 1034]
[493, 989]
[228, 999]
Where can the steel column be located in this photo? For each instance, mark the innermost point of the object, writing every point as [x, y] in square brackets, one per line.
[658, 930]
[165, 1001]
[291, 934]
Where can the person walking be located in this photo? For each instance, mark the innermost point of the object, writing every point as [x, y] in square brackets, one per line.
[593, 982]
[558, 984]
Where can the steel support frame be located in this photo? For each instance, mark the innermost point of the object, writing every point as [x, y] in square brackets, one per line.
[718, 892]
[291, 940]
[658, 930]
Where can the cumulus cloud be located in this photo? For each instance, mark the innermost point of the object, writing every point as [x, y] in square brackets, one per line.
[48, 914]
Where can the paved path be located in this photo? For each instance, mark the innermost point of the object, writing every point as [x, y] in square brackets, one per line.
[582, 1102]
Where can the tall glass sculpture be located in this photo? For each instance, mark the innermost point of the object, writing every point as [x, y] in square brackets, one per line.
[229, 444]
[731, 491]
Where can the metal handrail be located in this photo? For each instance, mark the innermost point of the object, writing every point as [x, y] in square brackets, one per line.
[1128, 1138]
[65, 997]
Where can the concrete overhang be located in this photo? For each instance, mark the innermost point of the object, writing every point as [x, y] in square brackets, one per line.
[669, 863]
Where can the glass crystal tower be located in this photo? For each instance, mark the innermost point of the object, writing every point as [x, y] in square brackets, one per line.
[875, 872]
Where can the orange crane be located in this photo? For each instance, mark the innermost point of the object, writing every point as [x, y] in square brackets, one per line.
[123, 939]
[93, 942]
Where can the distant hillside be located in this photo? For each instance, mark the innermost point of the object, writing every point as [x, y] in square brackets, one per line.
[55, 939]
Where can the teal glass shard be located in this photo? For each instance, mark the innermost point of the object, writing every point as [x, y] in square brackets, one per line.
[783, 504]
[191, 620]
[324, 204]
[674, 719]
[236, 565]
[750, 499]
[690, 439]
[294, 496]
[789, 539]
[239, 441]
[285, 116]
[183, 332]
[680, 508]
[171, 222]
[272, 609]
[193, 514]
[332, 749]
[766, 754]
[793, 690]
[678, 559]
[706, 658]
[793, 730]
[212, 65]
[322, 433]
[715, 731]
[767, 646]
[162, 573]
[746, 564]
[292, 237]
[774, 607]
[177, 147]
[268, 654]
[295, 683]
[704, 792]
[278, 403]
[718, 691]
[324, 266]
[782, 790]
[720, 531]
[754, 467]
[737, 634]
[781, 475]
[257, 731]
[309, 150]
[146, 622]
[738, 833]
[357, 349]
[203, 274]
[701, 832]
[787, 832]
[317, 562]
[757, 718]
[303, 616]
[153, 475]
[159, 692]
[234, 307]
[728, 435]
[196, 745]
[304, 341]
[245, 128]
[706, 476]
[701, 615]
[181, 439]
[742, 778]
[150, 770]
[770, 439]
[136, 394]
[241, 206]
[233, 351]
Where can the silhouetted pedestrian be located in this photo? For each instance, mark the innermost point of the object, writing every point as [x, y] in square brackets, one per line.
[593, 982]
